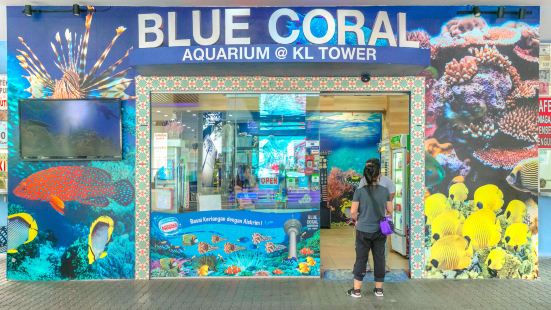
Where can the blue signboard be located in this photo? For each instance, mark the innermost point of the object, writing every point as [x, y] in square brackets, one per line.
[275, 35]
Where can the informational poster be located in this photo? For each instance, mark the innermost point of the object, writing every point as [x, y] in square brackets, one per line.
[160, 149]
[545, 68]
[3, 92]
[3, 171]
[3, 134]
[544, 120]
[227, 243]
[544, 123]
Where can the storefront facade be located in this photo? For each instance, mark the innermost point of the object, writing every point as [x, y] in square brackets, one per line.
[479, 73]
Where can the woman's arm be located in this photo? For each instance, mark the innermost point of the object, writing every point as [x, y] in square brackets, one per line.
[389, 208]
[354, 210]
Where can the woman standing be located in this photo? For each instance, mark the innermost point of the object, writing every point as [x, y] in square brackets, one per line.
[369, 204]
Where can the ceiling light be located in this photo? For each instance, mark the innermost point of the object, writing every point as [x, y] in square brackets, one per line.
[76, 10]
[166, 115]
[476, 11]
[501, 12]
[188, 111]
[28, 10]
[522, 13]
[158, 111]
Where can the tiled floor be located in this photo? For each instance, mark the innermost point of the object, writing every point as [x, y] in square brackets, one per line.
[337, 250]
[275, 294]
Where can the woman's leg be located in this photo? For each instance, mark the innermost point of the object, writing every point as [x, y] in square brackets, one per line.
[379, 241]
[362, 253]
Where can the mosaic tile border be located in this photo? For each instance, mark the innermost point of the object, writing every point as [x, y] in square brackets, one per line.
[415, 86]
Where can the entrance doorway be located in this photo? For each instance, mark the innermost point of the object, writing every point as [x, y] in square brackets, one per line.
[354, 128]
[412, 86]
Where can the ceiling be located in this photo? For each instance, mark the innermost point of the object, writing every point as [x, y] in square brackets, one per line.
[545, 31]
[227, 3]
[185, 108]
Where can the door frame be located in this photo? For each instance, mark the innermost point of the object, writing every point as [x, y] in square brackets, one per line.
[414, 86]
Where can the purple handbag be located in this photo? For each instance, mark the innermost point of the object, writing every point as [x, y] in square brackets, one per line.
[385, 222]
[387, 227]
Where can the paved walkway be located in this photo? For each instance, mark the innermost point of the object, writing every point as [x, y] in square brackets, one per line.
[275, 294]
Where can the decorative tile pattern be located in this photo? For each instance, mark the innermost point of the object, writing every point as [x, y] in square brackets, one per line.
[415, 86]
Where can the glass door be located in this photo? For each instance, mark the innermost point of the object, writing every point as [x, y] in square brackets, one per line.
[398, 176]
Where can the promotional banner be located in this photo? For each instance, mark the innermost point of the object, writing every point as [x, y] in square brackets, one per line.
[235, 243]
[3, 147]
[545, 69]
[544, 123]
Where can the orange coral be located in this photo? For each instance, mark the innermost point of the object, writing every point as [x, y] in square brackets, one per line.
[433, 147]
[521, 123]
[458, 72]
[510, 35]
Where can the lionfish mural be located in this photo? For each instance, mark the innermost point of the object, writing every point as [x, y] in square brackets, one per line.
[71, 60]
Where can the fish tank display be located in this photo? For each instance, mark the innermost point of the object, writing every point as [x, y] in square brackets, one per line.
[70, 129]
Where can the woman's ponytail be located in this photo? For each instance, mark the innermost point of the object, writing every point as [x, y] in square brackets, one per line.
[372, 171]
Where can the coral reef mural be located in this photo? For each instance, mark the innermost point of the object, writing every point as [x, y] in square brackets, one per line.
[70, 220]
[235, 243]
[482, 130]
[348, 139]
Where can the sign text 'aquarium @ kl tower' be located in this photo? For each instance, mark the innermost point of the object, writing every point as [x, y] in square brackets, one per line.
[279, 35]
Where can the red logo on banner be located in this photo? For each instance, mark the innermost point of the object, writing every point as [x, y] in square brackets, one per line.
[544, 123]
[3, 165]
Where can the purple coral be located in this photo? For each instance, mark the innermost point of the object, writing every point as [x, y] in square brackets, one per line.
[452, 163]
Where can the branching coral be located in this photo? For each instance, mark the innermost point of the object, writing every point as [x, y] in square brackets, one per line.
[504, 158]
[459, 72]
[526, 89]
[490, 55]
[520, 123]
[484, 130]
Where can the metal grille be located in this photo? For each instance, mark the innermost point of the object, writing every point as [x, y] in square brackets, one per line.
[174, 98]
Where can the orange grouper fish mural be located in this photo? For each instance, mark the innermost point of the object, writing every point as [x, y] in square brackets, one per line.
[86, 185]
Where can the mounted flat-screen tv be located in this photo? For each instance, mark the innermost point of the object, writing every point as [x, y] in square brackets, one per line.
[79, 129]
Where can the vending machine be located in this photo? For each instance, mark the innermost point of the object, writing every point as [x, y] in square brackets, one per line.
[399, 146]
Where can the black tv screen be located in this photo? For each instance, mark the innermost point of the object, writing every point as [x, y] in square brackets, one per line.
[88, 129]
